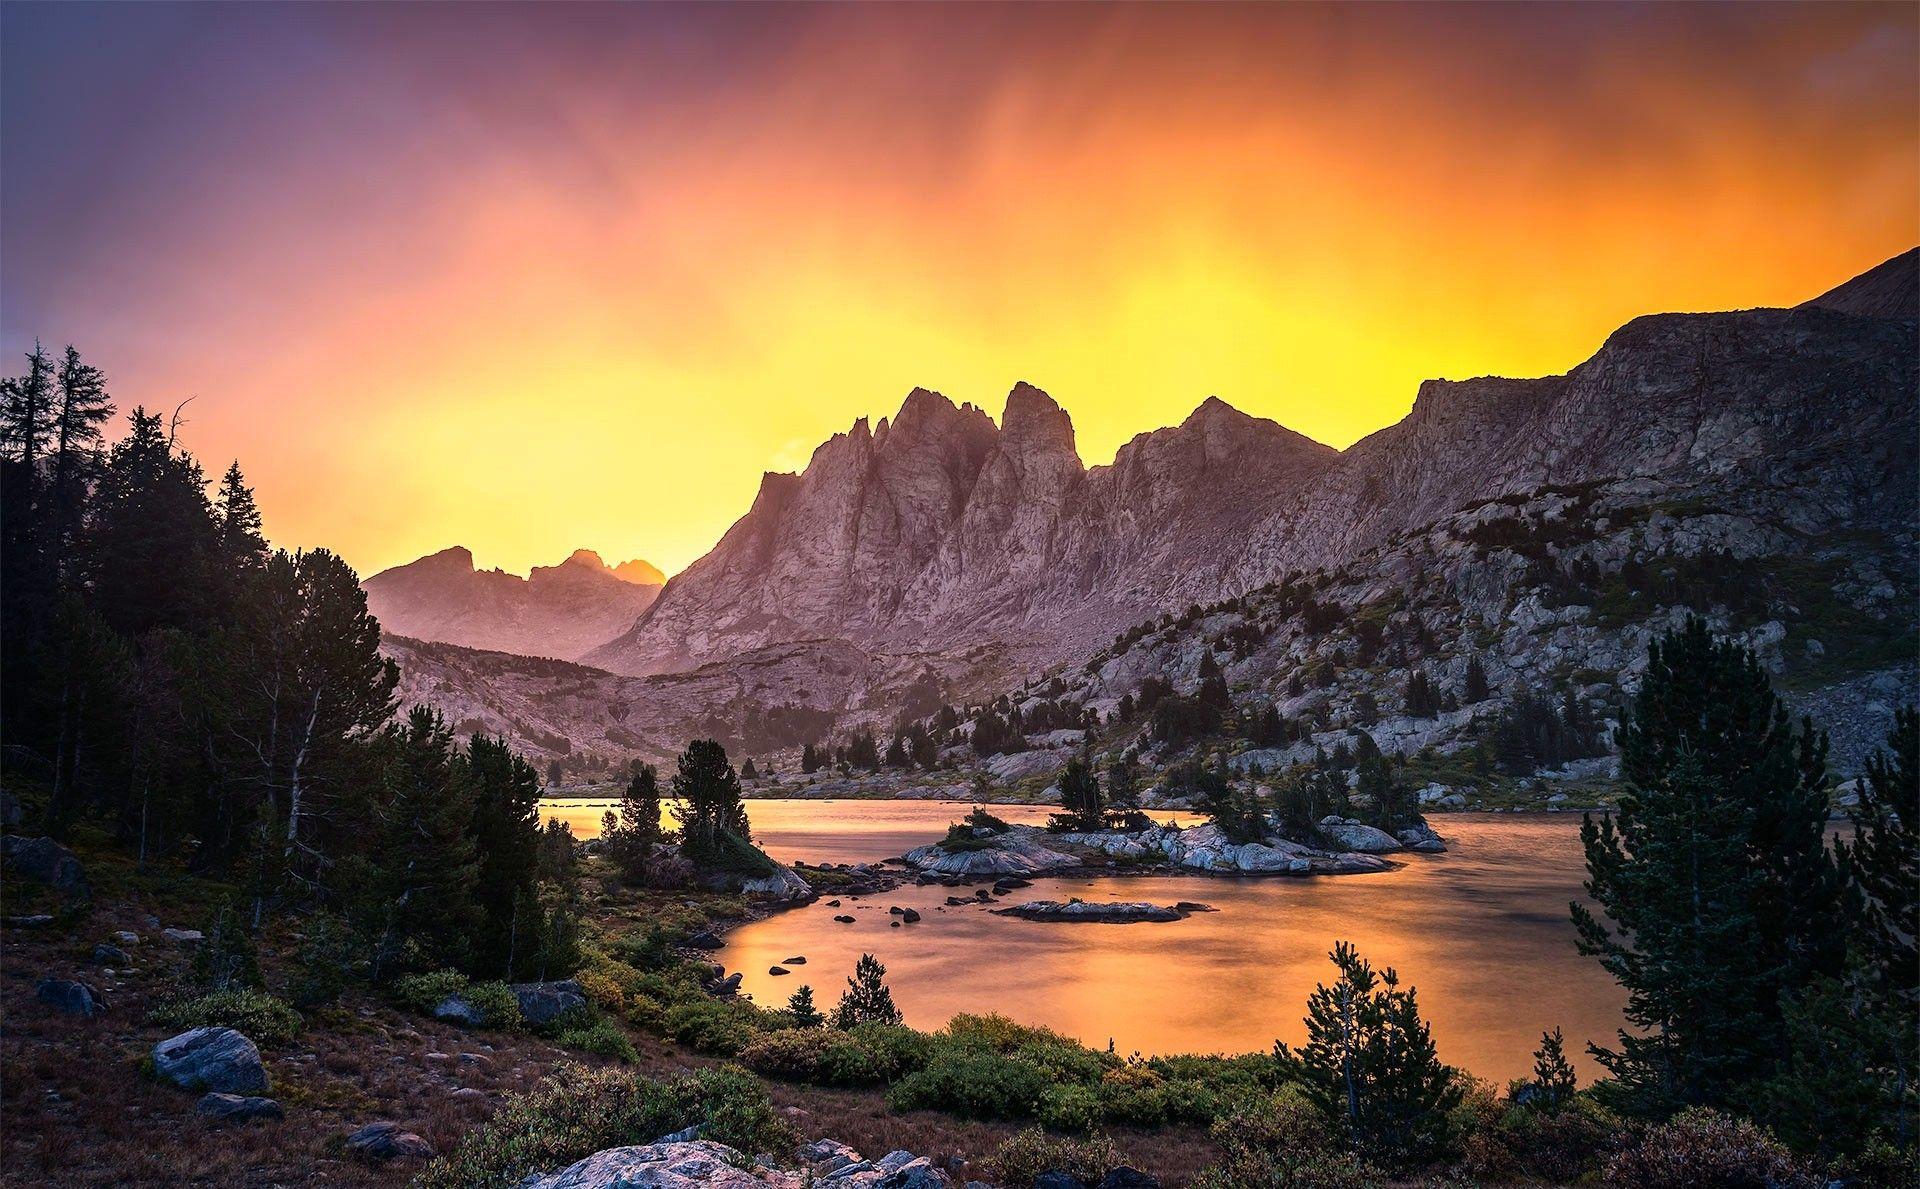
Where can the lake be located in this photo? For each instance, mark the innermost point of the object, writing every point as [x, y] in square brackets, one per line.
[1481, 931]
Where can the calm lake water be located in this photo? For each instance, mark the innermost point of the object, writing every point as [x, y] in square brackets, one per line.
[1481, 931]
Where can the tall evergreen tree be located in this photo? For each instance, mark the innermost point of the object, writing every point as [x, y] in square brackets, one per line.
[1883, 861]
[1083, 808]
[506, 835]
[240, 543]
[1473, 687]
[800, 1007]
[1370, 1065]
[709, 811]
[1553, 1081]
[866, 999]
[632, 835]
[1713, 875]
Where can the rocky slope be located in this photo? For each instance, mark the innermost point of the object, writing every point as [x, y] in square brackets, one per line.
[557, 611]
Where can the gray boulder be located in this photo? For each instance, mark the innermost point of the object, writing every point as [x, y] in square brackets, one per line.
[43, 860]
[237, 1108]
[111, 955]
[211, 1058]
[384, 1141]
[456, 1010]
[1420, 837]
[543, 1003]
[1358, 836]
[690, 1165]
[75, 999]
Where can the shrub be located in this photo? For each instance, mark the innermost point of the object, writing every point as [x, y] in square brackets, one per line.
[717, 1028]
[1020, 1161]
[895, 1049]
[423, 992]
[1280, 1142]
[1070, 1107]
[579, 1111]
[263, 1018]
[816, 1055]
[1505, 1142]
[1704, 1147]
[974, 1084]
[602, 1038]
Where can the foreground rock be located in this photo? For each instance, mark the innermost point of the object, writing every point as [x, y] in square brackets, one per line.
[543, 1003]
[666, 1166]
[1122, 912]
[211, 1058]
[384, 1141]
[1029, 850]
[237, 1108]
[43, 860]
[75, 999]
[1358, 836]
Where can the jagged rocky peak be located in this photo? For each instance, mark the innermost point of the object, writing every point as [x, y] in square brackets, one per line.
[636, 571]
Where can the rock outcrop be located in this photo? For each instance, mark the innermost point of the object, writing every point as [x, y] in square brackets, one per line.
[1119, 912]
[1028, 850]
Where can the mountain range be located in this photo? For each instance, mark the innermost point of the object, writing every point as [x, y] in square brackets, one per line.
[555, 611]
[940, 550]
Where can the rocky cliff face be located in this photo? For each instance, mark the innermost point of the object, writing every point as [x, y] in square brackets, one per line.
[557, 611]
[941, 529]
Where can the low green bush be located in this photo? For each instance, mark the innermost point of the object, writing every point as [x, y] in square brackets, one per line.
[1020, 1161]
[602, 1038]
[261, 1017]
[1280, 1141]
[1070, 1107]
[580, 1111]
[973, 1084]
[423, 992]
[718, 1028]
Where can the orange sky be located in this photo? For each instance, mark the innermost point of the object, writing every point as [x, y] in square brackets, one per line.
[527, 279]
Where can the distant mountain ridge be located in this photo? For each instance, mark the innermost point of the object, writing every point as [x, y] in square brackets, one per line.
[555, 611]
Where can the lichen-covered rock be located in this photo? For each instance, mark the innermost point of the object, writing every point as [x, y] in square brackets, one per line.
[211, 1058]
[384, 1141]
[237, 1108]
[693, 1164]
[43, 860]
[73, 998]
[456, 1009]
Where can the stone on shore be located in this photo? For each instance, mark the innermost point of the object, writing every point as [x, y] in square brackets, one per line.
[1357, 836]
[1113, 913]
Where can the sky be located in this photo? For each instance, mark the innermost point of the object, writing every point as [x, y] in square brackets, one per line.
[532, 278]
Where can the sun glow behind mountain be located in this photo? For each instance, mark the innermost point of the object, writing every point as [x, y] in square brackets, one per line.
[533, 278]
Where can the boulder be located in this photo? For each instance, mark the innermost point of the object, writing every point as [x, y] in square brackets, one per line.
[75, 999]
[127, 937]
[1357, 836]
[455, 1009]
[782, 884]
[794, 962]
[685, 1165]
[543, 1003]
[1260, 859]
[1420, 837]
[237, 1108]
[211, 1058]
[705, 940]
[36, 920]
[111, 955]
[1128, 1178]
[1058, 1180]
[384, 1141]
[43, 860]
[778, 970]
[183, 936]
[909, 916]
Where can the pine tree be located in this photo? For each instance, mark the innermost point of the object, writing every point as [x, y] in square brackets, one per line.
[1370, 1066]
[416, 884]
[1473, 688]
[1883, 862]
[240, 542]
[506, 835]
[1553, 1081]
[1421, 702]
[80, 406]
[630, 840]
[713, 822]
[800, 1008]
[1084, 809]
[1713, 874]
[866, 999]
[27, 419]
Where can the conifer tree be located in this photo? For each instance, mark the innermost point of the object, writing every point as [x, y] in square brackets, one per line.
[800, 1008]
[1473, 688]
[1553, 1081]
[1883, 861]
[240, 542]
[416, 885]
[506, 836]
[1370, 1066]
[631, 838]
[1719, 894]
[866, 999]
[1083, 807]
[712, 819]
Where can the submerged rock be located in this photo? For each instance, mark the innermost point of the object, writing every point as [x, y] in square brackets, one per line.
[1123, 912]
